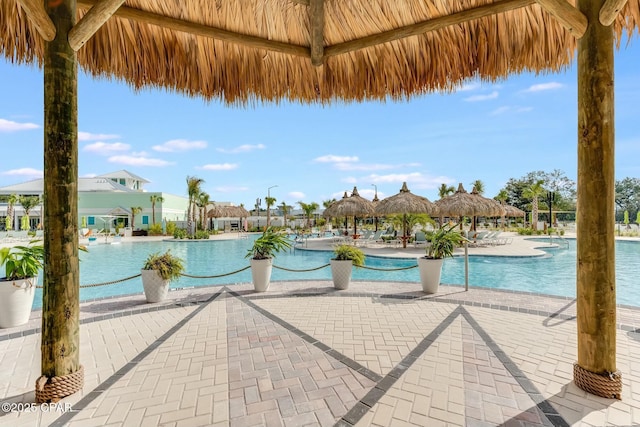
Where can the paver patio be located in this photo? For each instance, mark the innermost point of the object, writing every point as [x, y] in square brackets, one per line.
[378, 354]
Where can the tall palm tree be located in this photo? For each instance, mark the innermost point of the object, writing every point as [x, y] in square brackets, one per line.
[327, 203]
[533, 192]
[502, 197]
[202, 202]
[135, 210]
[155, 198]
[11, 200]
[308, 209]
[478, 185]
[444, 190]
[193, 189]
[270, 201]
[28, 203]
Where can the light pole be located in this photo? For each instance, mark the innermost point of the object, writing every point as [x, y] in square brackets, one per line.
[269, 205]
[550, 197]
[375, 200]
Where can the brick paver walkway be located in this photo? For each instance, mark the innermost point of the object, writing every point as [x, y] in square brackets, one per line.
[303, 354]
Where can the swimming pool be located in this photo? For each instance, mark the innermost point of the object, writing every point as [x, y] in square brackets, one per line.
[554, 274]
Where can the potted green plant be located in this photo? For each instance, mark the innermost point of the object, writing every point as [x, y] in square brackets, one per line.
[17, 289]
[441, 244]
[262, 252]
[345, 257]
[158, 272]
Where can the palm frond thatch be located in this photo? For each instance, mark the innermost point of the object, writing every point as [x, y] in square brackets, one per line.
[228, 212]
[354, 205]
[405, 202]
[260, 50]
[471, 204]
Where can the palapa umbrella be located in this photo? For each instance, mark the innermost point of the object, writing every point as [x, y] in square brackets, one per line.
[354, 205]
[228, 212]
[405, 202]
[471, 204]
[319, 51]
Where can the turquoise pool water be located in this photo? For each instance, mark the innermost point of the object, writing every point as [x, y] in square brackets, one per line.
[554, 274]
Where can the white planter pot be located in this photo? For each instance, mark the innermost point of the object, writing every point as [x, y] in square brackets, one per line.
[430, 270]
[341, 273]
[155, 287]
[16, 301]
[261, 273]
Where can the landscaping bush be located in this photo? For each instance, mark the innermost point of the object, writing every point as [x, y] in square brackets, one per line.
[171, 228]
[155, 230]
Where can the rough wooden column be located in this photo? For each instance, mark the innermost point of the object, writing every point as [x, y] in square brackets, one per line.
[596, 287]
[60, 305]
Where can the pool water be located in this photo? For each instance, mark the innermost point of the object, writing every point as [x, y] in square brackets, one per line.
[553, 274]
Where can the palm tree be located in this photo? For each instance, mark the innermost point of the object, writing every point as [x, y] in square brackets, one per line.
[479, 186]
[308, 209]
[135, 210]
[28, 203]
[155, 199]
[502, 197]
[444, 190]
[193, 189]
[533, 192]
[11, 200]
[270, 201]
[202, 202]
[327, 203]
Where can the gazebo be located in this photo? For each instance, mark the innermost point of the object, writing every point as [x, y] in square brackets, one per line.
[320, 51]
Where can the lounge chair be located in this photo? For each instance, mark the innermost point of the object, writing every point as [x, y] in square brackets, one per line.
[478, 239]
[420, 239]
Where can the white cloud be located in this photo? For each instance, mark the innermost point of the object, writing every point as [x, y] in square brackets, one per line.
[350, 180]
[28, 172]
[372, 166]
[298, 195]
[476, 98]
[415, 180]
[245, 148]
[468, 87]
[136, 160]
[86, 136]
[508, 109]
[105, 149]
[330, 158]
[230, 189]
[219, 167]
[176, 145]
[89, 175]
[10, 126]
[544, 86]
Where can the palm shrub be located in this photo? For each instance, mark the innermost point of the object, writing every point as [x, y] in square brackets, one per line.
[443, 242]
[268, 244]
[22, 262]
[349, 253]
[169, 267]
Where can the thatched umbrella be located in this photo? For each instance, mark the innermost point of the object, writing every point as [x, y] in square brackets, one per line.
[354, 205]
[511, 212]
[318, 51]
[228, 212]
[471, 204]
[404, 203]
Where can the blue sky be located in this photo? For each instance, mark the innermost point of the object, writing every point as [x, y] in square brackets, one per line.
[490, 132]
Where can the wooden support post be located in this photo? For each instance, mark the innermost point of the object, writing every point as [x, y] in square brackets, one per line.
[92, 21]
[570, 18]
[610, 10]
[61, 294]
[596, 286]
[316, 16]
[39, 18]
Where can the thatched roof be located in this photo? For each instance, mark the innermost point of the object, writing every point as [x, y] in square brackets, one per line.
[353, 205]
[405, 202]
[462, 203]
[228, 212]
[312, 50]
[512, 211]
